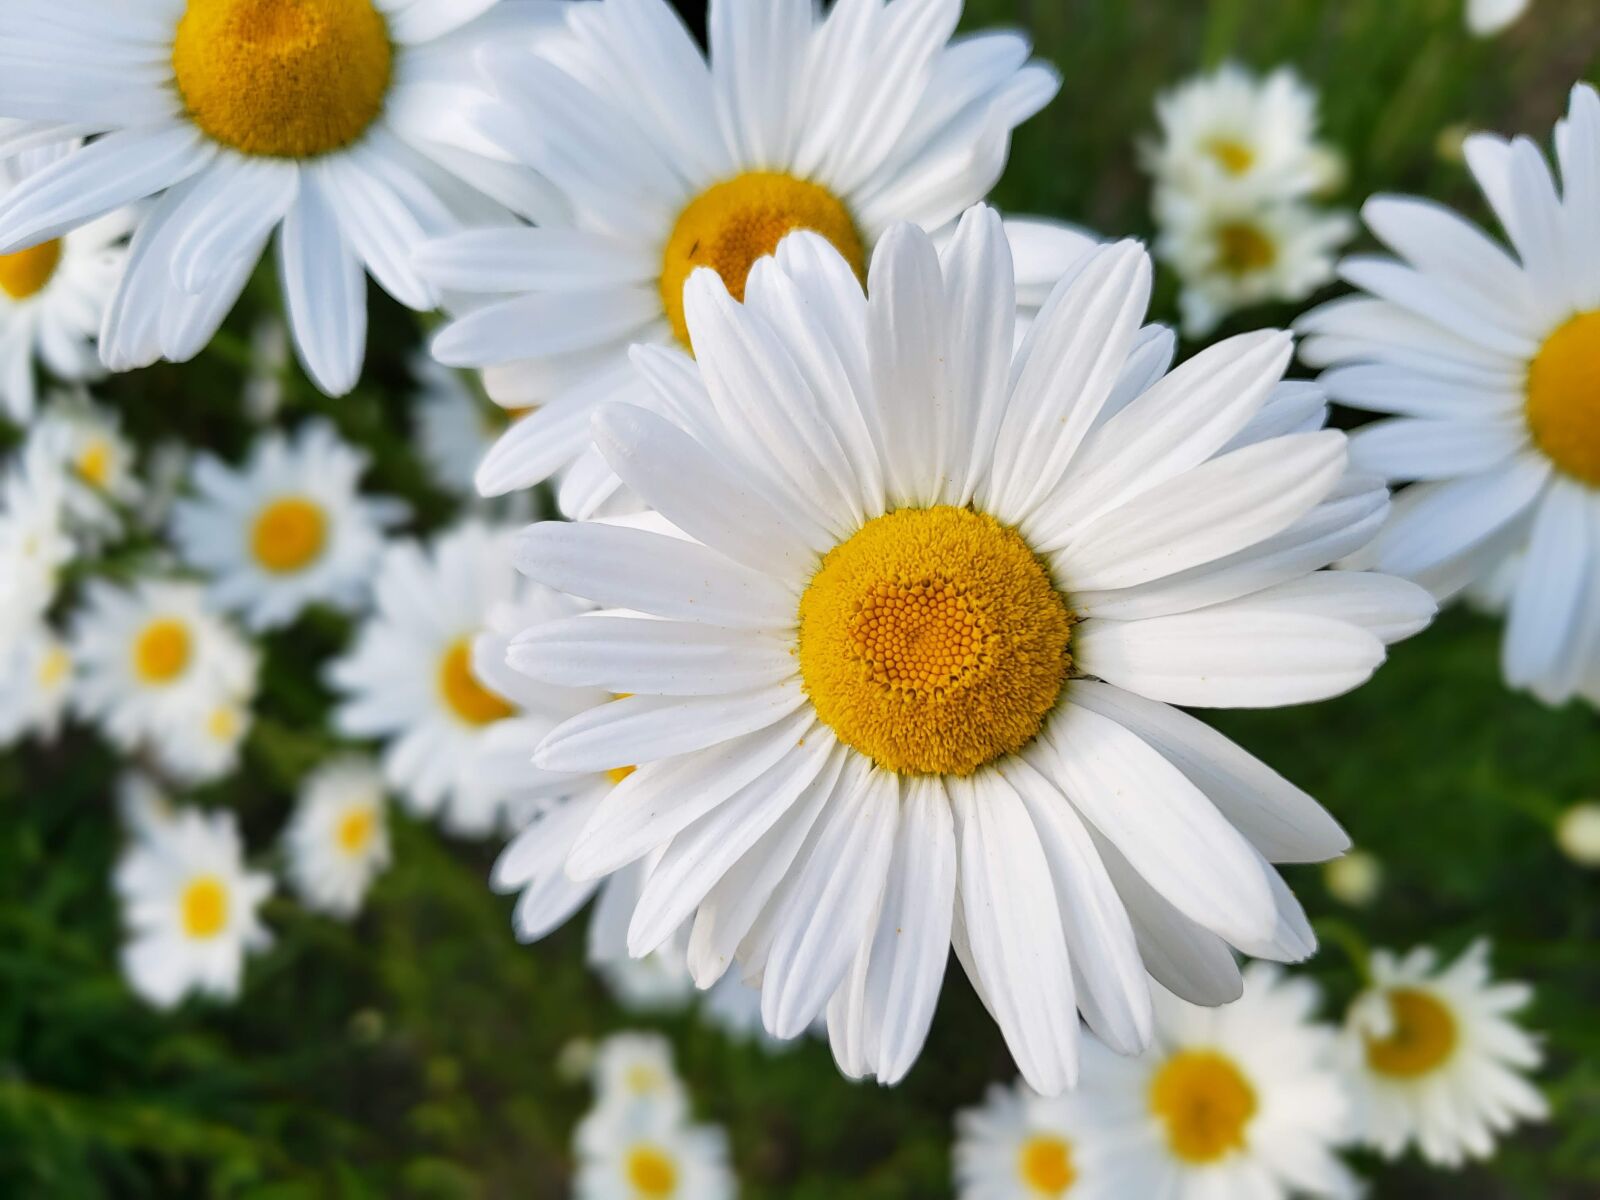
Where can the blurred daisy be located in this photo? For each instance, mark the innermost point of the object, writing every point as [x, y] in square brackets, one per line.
[1488, 361]
[35, 544]
[931, 590]
[241, 117]
[670, 161]
[1433, 1057]
[53, 295]
[189, 904]
[634, 1071]
[286, 530]
[647, 1155]
[1018, 1145]
[35, 679]
[454, 431]
[210, 748]
[1356, 879]
[1487, 17]
[1578, 833]
[99, 475]
[338, 838]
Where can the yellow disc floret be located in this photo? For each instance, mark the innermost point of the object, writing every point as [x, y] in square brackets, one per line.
[288, 535]
[1045, 1165]
[25, 273]
[651, 1173]
[1563, 406]
[1242, 248]
[463, 694]
[204, 907]
[1204, 1103]
[1423, 1037]
[933, 641]
[95, 462]
[729, 226]
[161, 651]
[283, 78]
[1232, 155]
[356, 829]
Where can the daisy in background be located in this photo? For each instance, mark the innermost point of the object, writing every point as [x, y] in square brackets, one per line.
[99, 466]
[189, 903]
[1356, 879]
[1488, 17]
[239, 118]
[286, 530]
[635, 1070]
[338, 838]
[143, 805]
[454, 427]
[35, 543]
[1017, 1145]
[1578, 833]
[670, 160]
[1433, 1058]
[35, 683]
[1487, 362]
[907, 681]
[53, 295]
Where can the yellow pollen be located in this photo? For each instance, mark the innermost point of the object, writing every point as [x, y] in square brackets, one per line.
[1205, 1104]
[731, 225]
[204, 906]
[1243, 248]
[1563, 406]
[356, 829]
[1424, 1036]
[1045, 1165]
[283, 78]
[933, 641]
[25, 273]
[1232, 155]
[463, 694]
[161, 651]
[94, 462]
[651, 1173]
[289, 535]
[53, 667]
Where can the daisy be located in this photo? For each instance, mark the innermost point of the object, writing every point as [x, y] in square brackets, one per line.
[1433, 1057]
[190, 906]
[212, 740]
[1578, 833]
[1018, 1145]
[35, 678]
[647, 1155]
[338, 838]
[1488, 17]
[1241, 1100]
[53, 295]
[633, 1071]
[320, 119]
[922, 633]
[1487, 360]
[99, 467]
[35, 544]
[286, 530]
[671, 160]
[453, 429]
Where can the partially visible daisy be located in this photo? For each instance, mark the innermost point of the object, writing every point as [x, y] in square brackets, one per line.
[53, 295]
[1242, 1100]
[286, 530]
[453, 430]
[143, 805]
[1356, 879]
[210, 743]
[35, 543]
[189, 903]
[633, 1071]
[338, 838]
[646, 1155]
[99, 467]
[1434, 1058]
[35, 682]
[321, 122]
[1487, 361]
[1578, 833]
[1488, 17]
[1017, 1145]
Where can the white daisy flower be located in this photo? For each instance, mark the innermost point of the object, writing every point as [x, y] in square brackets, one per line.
[98, 464]
[1248, 137]
[338, 838]
[1242, 1100]
[53, 295]
[1233, 253]
[1433, 1057]
[1578, 833]
[650, 1156]
[1356, 879]
[669, 160]
[936, 602]
[634, 1071]
[189, 903]
[35, 680]
[287, 530]
[212, 740]
[1487, 361]
[35, 544]
[241, 117]
[1488, 17]
[1018, 1145]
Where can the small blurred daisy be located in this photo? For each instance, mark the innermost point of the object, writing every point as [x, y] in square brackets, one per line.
[244, 117]
[1488, 17]
[1356, 879]
[1242, 1100]
[1433, 1057]
[338, 838]
[1018, 1145]
[1488, 362]
[1578, 833]
[189, 904]
[454, 431]
[53, 295]
[99, 475]
[35, 544]
[635, 1071]
[35, 680]
[210, 747]
[648, 1155]
[286, 530]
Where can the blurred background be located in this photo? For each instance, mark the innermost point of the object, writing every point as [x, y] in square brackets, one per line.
[413, 1053]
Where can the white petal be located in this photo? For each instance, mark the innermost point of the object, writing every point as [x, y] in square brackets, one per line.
[325, 291]
[658, 658]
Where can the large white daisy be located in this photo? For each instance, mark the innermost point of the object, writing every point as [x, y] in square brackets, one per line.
[671, 161]
[1488, 361]
[316, 118]
[909, 683]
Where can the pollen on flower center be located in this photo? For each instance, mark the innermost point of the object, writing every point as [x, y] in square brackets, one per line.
[283, 78]
[1563, 404]
[731, 225]
[651, 1173]
[1045, 1165]
[1423, 1037]
[26, 272]
[161, 651]
[289, 534]
[1232, 155]
[355, 829]
[933, 641]
[1242, 248]
[204, 907]
[1205, 1104]
[463, 694]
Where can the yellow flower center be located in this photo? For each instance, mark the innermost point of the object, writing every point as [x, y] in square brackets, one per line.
[1045, 1165]
[94, 462]
[204, 906]
[729, 226]
[1563, 406]
[1424, 1036]
[618, 774]
[1232, 155]
[1205, 1103]
[53, 667]
[1242, 248]
[463, 694]
[161, 651]
[283, 78]
[933, 641]
[25, 273]
[289, 535]
[651, 1172]
[223, 724]
[356, 829]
